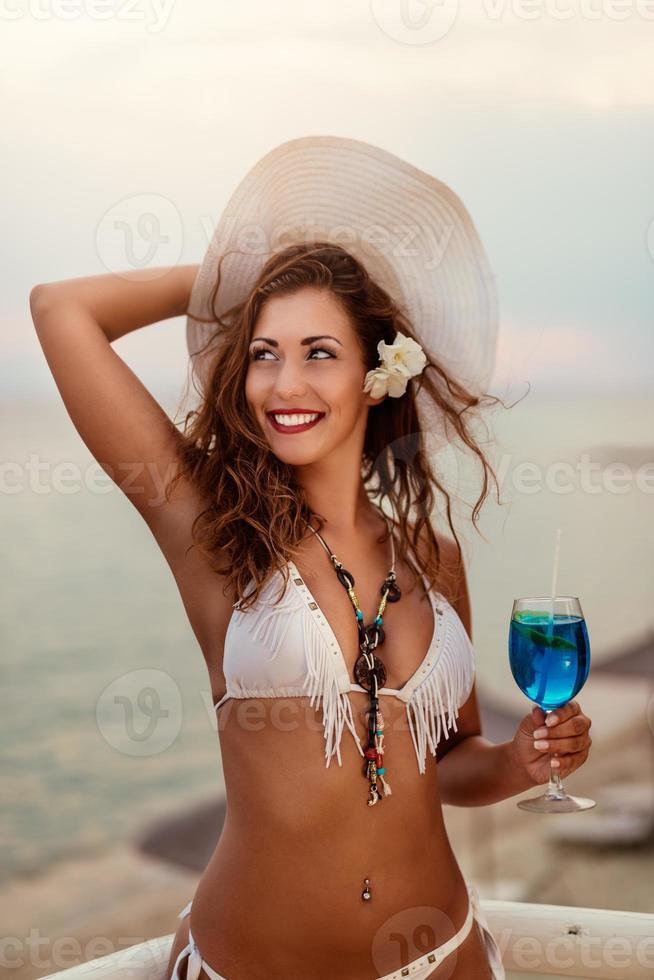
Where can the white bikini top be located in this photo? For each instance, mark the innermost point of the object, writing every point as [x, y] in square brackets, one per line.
[290, 650]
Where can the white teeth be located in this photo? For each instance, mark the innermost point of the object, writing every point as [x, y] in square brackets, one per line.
[295, 419]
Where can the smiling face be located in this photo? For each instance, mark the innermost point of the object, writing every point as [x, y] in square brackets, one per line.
[304, 383]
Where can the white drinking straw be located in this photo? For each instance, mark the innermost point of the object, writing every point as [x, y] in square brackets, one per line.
[555, 573]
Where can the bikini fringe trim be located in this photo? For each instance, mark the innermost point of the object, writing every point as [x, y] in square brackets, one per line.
[432, 709]
[434, 705]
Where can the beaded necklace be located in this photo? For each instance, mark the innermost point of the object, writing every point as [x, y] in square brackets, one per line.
[369, 671]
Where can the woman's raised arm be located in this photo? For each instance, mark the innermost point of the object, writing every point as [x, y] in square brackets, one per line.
[124, 427]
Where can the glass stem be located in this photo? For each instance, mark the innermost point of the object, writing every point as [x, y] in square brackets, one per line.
[555, 786]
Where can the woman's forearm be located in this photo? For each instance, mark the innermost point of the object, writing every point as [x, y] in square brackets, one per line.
[123, 302]
[477, 772]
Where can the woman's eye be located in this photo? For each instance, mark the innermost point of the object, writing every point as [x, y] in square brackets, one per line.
[260, 350]
[325, 350]
[255, 354]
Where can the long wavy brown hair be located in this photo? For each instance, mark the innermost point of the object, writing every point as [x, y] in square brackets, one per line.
[256, 511]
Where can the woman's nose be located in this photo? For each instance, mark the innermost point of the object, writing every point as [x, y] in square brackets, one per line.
[290, 382]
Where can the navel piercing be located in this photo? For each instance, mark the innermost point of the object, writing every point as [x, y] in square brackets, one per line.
[366, 894]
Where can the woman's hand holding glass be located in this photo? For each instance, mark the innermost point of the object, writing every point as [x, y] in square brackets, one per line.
[561, 739]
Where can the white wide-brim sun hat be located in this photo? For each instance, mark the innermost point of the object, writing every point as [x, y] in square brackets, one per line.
[411, 232]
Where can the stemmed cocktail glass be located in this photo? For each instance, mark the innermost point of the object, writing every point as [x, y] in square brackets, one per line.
[549, 654]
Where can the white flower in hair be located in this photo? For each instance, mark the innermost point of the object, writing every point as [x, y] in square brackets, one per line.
[401, 360]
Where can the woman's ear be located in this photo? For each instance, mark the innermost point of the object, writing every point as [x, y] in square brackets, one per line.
[374, 401]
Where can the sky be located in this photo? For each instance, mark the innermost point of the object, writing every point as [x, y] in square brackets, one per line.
[539, 115]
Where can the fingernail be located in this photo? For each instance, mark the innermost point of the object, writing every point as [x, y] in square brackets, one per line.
[541, 745]
[551, 720]
[541, 733]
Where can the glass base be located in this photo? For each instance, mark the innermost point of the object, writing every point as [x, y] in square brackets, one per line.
[548, 803]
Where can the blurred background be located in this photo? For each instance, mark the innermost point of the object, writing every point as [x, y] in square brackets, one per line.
[127, 127]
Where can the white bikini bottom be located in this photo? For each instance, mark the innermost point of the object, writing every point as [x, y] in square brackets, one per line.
[418, 969]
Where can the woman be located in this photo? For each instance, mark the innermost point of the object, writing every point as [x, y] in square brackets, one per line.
[322, 869]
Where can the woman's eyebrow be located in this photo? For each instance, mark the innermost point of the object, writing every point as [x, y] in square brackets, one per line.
[307, 340]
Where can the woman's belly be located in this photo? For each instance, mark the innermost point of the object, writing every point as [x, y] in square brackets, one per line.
[283, 887]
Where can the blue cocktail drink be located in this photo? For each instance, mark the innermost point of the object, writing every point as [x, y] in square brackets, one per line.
[549, 660]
